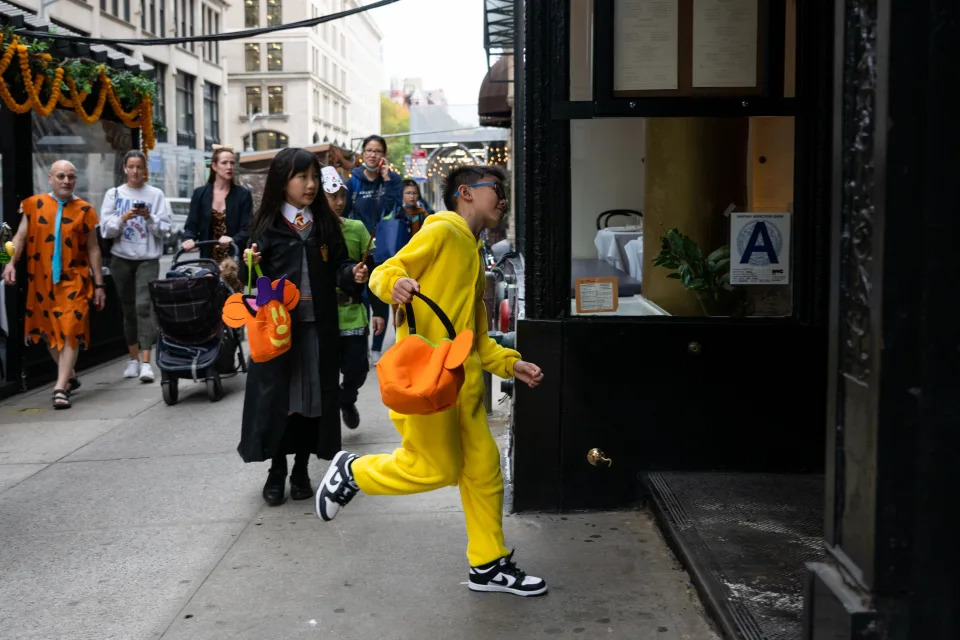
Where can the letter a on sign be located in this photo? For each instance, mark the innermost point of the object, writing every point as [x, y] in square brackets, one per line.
[759, 242]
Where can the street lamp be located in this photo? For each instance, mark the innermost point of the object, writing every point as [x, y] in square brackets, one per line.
[252, 117]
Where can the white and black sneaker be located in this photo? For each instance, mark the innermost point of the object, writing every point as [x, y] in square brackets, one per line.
[337, 487]
[503, 575]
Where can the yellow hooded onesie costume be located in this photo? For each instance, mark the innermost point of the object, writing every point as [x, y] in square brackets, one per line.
[453, 446]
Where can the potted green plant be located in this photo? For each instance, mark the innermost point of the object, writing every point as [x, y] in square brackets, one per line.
[707, 277]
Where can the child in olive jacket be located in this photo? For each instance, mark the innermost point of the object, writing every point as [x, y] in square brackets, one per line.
[354, 364]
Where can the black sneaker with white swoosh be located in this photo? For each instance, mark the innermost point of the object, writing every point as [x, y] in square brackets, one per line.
[504, 576]
[337, 487]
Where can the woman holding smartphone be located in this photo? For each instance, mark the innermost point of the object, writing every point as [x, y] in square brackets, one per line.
[135, 215]
[373, 191]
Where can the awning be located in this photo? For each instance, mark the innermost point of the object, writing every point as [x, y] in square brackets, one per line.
[493, 106]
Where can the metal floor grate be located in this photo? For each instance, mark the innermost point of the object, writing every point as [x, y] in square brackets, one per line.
[745, 538]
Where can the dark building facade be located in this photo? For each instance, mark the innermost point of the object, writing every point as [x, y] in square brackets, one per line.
[830, 118]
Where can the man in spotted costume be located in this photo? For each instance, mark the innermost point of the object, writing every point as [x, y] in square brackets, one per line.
[57, 241]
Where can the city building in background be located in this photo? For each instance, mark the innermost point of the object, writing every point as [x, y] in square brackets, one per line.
[306, 86]
[410, 92]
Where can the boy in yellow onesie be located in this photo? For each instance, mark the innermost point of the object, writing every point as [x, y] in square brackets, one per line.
[453, 446]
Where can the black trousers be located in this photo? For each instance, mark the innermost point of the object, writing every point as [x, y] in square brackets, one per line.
[354, 367]
[278, 466]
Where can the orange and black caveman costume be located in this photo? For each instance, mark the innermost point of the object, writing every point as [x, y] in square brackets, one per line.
[58, 311]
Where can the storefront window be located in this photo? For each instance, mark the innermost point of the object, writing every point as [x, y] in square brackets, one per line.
[676, 212]
[682, 216]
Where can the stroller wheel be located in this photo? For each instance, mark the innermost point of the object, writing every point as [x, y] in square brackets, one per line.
[170, 391]
[214, 386]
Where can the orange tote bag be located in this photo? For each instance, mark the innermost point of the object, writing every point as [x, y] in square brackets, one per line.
[418, 377]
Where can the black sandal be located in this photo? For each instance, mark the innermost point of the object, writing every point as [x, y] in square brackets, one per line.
[61, 399]
[74, 383]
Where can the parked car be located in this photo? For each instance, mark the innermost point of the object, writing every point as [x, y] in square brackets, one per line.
[179, 208]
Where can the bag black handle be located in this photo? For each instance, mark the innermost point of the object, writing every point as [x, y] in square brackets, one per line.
[412, 322]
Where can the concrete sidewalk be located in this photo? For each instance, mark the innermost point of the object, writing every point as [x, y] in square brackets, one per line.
[124, 518]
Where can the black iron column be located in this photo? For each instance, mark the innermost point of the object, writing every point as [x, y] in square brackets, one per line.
[16, 150]
[546, 155]
[893, 409]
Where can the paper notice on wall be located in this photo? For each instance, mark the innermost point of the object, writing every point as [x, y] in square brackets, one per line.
[725, 43]
[760, 248]
[596, 295]
[645, 45]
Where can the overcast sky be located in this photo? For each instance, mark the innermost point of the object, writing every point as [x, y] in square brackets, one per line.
[440, 41]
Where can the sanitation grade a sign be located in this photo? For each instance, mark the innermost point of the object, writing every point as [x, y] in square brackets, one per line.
[759, 248]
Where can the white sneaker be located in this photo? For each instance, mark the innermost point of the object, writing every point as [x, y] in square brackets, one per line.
[146, 372]
[374, 357]
[132, 370]
[503, 575]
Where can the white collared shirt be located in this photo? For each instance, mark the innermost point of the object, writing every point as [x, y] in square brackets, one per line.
[290, 213]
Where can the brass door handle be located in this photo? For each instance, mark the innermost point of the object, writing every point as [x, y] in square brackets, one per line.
[598, 458]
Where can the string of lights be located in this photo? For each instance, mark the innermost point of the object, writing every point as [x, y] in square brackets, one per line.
[217, 37]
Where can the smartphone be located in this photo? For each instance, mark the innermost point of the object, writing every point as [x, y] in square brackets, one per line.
[140, 204]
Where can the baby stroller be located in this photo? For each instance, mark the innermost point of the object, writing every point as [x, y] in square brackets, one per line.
[193, 342]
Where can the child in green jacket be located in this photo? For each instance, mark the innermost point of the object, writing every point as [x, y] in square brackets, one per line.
[354, 364]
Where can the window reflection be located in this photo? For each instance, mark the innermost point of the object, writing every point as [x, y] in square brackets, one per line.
[274, 56]
[251, 13]
[274, 13]
[275, 99]
[252, 50]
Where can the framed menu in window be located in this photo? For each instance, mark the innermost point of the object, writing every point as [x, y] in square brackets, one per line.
[596, 295]
[692, 48]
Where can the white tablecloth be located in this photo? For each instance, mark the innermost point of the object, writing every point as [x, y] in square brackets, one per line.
[611, 245]
[634, 251]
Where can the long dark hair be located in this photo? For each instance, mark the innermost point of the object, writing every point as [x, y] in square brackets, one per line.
[286, 164]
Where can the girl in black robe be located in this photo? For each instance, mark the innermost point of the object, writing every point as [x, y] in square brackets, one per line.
[291, 401]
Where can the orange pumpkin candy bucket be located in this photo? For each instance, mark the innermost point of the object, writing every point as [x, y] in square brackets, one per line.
[266, 315]
[418, 377]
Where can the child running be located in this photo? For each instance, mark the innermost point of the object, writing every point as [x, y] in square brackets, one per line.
[454, 446]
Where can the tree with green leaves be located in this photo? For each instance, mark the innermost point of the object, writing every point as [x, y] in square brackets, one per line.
[395, 118]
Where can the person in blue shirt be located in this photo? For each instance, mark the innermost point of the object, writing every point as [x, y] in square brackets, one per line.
[373, 191]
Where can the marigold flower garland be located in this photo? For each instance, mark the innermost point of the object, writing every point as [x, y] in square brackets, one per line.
[140, 117]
